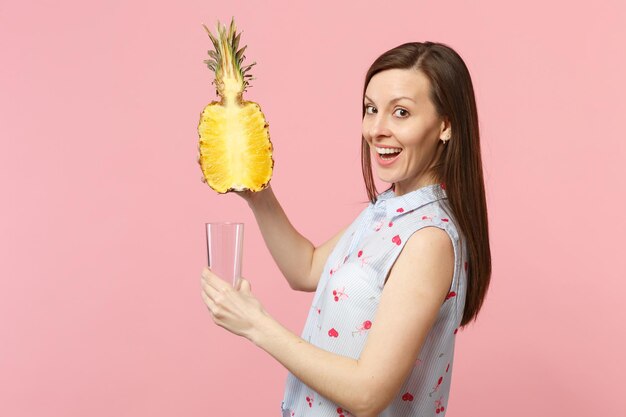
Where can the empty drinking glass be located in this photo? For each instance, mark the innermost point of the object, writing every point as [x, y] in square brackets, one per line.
[224, 249]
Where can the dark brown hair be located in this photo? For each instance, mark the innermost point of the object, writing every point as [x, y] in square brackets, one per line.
[459, 167]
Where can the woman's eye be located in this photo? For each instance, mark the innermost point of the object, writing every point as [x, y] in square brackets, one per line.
[367, 106]
[406, 113]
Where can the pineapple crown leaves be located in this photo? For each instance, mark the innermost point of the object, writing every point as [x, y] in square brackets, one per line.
[226, 60]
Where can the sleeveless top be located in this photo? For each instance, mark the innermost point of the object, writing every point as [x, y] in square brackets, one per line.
[349, 290]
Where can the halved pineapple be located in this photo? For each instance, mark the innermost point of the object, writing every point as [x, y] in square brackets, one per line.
[235, 151]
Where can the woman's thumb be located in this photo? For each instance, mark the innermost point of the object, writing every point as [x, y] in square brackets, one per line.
[244, 285]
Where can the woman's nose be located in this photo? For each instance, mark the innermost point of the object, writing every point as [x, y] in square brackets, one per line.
[378, 126]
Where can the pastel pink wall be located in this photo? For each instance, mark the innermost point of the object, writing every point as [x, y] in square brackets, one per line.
[102, 213]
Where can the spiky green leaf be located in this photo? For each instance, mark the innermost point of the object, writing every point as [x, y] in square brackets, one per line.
[236, 42]
[240, 54]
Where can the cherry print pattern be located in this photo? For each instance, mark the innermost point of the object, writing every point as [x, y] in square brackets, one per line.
[435, 220]
[362, 258]
[439, 405]
[443, 185]
[364, 327]
[310, 400]
[396, 239]
[339, 294]
[319, 311]
[390, 224]
[343, 413]
[339, 265]
[439, 381]
[336, 268]
[450, 295]
[456, 330]
[407, 396]
[378, 226]
[333, 333]
[400, 210]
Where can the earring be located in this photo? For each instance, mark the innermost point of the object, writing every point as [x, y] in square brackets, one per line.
[446, 139]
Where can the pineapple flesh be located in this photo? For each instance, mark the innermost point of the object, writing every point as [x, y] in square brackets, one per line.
[234, 151]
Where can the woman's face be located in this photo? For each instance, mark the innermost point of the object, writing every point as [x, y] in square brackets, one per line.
[409, 124]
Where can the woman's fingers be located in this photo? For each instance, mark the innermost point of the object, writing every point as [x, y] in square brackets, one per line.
[207, 300]
[214, 291]
[214, 281]
[210, 289]
[234, 309]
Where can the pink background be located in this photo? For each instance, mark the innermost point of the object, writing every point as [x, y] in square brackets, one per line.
[102, 213]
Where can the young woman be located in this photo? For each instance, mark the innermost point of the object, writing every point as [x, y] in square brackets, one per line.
[394, 287]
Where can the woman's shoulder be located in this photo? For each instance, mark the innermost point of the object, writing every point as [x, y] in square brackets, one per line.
[436, 214]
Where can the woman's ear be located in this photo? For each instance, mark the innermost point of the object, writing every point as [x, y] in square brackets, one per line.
[445, 124]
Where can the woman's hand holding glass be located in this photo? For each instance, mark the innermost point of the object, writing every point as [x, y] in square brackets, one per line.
[235, 309]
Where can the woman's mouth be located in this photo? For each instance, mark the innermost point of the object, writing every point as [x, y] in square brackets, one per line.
[386, 156]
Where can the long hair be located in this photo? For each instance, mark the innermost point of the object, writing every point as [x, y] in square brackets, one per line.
[459, 167]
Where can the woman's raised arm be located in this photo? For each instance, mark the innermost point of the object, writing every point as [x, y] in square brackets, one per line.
[298, 259]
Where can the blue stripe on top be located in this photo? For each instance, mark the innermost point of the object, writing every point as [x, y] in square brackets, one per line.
[348, 293]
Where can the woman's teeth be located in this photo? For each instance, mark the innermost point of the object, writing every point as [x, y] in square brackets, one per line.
[388, 150]
[388, 153]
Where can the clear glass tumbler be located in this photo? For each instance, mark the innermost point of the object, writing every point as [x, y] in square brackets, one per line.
[224, 249]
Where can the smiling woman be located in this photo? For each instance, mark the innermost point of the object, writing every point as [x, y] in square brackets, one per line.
[395, 286]
[396, 124]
